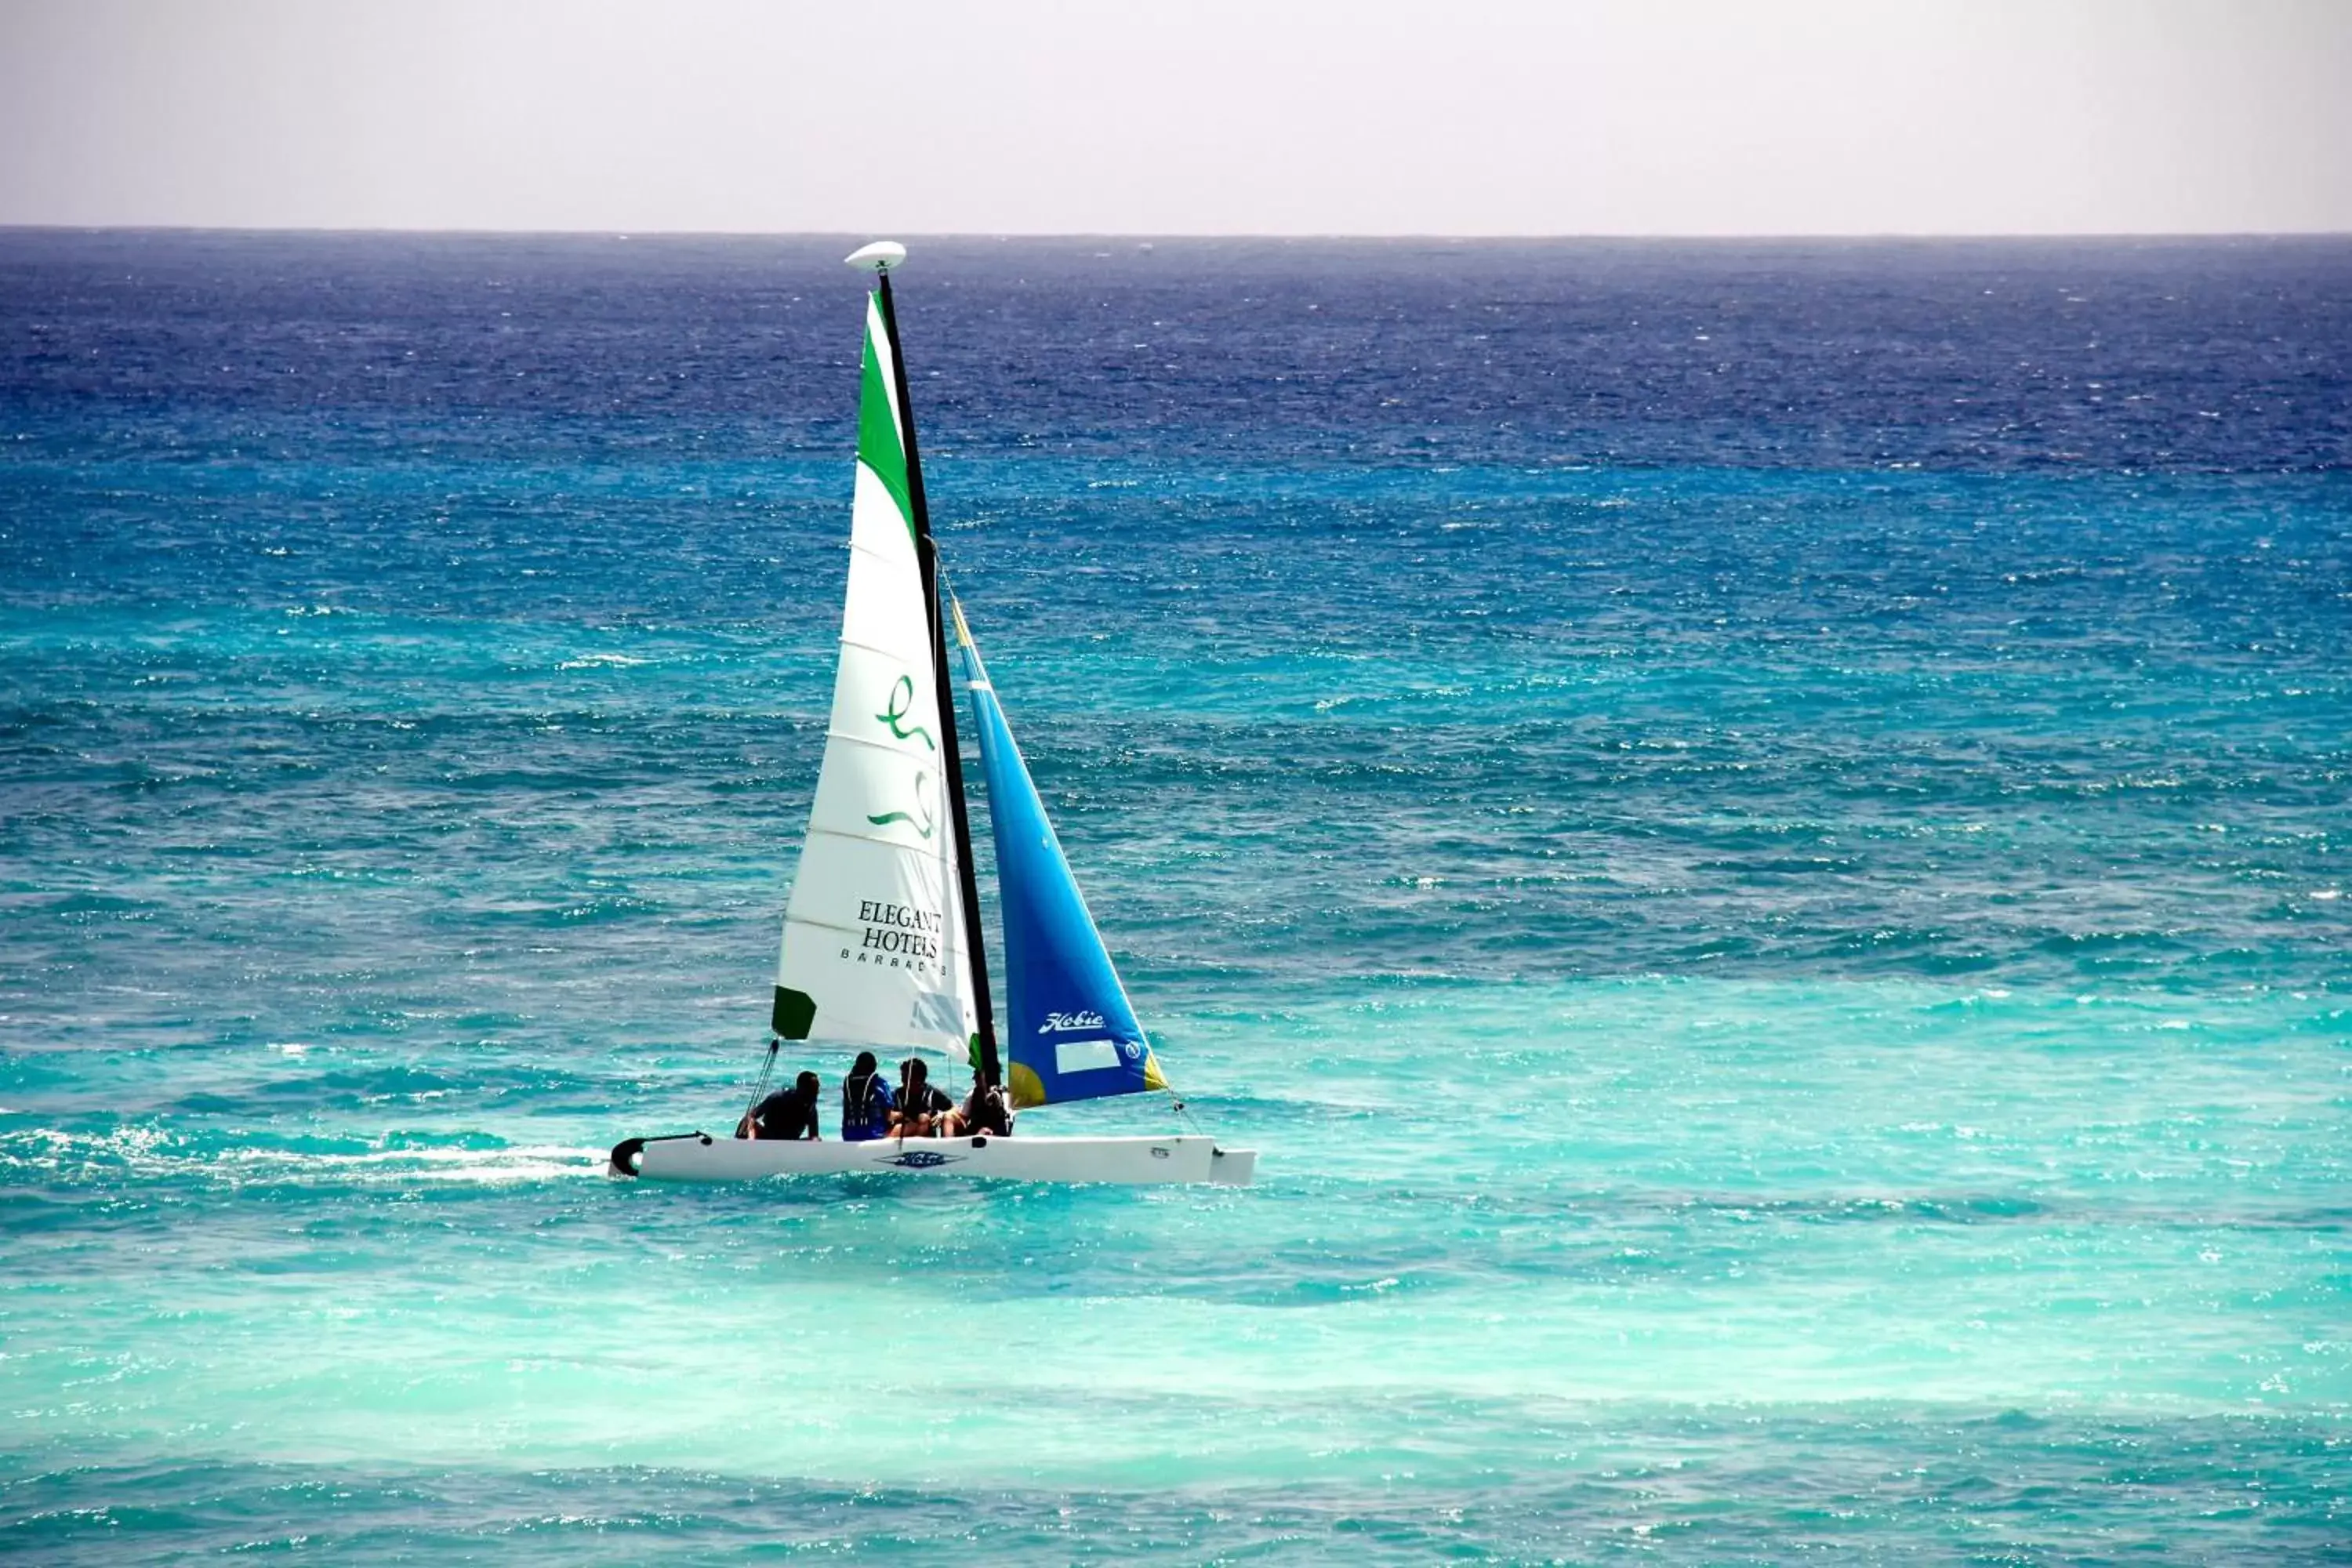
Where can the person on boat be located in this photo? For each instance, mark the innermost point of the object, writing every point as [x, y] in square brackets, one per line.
[866, 1102]
[985, 1110]
[787, 1113]
[922, 1108]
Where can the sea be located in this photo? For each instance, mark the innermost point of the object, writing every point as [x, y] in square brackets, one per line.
[1755, 834]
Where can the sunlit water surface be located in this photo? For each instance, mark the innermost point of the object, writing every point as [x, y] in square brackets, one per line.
[1757, 836]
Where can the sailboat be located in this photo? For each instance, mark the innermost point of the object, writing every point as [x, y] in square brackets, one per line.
[882, 945]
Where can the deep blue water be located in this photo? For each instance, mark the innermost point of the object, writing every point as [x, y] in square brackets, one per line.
[1756, 833]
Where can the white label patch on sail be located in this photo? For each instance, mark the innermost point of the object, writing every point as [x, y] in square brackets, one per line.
[1085, 1056]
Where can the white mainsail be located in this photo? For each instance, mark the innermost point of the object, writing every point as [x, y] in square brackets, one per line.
[874, 949]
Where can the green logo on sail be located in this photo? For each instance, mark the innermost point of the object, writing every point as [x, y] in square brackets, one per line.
[922, 825]
[902, 702]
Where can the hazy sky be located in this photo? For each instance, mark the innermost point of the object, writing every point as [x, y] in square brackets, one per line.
[1221, 116]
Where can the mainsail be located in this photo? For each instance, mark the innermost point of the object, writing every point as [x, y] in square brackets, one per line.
[1070, 1033]
[874, 949]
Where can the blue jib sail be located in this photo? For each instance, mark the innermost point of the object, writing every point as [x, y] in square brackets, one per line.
[1069, 1032]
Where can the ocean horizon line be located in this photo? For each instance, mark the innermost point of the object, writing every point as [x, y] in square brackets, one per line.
[1599, 237]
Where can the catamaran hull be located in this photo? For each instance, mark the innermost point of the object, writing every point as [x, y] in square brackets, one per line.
[698, 1157]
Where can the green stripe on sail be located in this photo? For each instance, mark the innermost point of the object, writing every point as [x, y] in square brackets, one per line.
[878, 446]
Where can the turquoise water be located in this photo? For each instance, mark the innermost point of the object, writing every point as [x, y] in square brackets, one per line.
[1792, 1003]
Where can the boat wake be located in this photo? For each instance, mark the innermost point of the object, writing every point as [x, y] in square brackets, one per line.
[147, 1152]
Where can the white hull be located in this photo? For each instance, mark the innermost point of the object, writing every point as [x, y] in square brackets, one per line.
[698, 1157]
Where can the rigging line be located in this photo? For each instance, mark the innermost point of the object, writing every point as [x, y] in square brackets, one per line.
[1184, 1114]
[759, 1090]
[955, 606]
[1176, 1102]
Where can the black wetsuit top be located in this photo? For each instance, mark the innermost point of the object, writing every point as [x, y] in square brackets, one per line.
[784, 1114]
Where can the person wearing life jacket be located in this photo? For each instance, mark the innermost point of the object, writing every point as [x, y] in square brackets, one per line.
[866, 1102]
[922, 1108]
[985, 1109]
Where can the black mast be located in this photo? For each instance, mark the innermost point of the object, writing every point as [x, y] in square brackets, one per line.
[992, 1071]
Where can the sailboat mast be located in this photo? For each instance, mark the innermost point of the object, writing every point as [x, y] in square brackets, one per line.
[992, 1072]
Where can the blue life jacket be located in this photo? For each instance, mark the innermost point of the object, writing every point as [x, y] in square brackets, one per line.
[865, 1116]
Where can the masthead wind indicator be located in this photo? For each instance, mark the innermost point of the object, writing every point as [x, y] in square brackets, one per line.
[879, 256]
